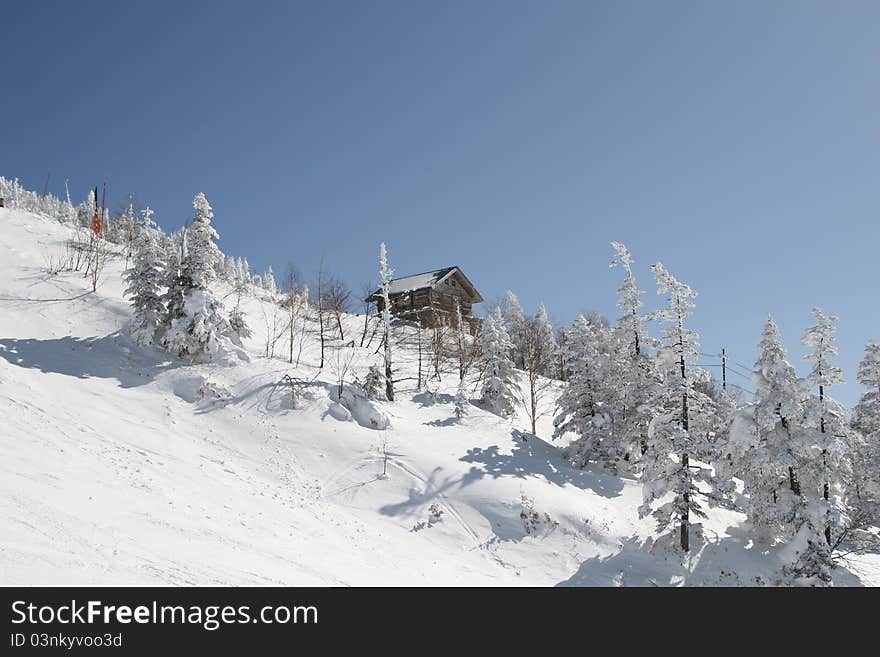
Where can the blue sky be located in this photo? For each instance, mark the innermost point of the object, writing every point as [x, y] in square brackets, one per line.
[738, 142]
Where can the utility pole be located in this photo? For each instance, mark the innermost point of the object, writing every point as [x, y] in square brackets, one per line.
[723, 369]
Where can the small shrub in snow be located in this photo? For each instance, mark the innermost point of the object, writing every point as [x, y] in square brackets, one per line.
[532, 520]
[374, 384]
[435, 514]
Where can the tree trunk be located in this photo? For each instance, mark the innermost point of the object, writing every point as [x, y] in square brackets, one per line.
[321, 325]
[366, 325]
[419, 334]
[826, 487]
[685, 518]
[339, 324]
[793, 482]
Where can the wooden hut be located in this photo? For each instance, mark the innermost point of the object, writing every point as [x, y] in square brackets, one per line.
[431, 297]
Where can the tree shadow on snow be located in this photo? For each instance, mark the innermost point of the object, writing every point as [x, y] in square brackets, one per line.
[432, 489]
[109, 357]
[729, 560]
[425, 399]
[531, 456]
[445, 422]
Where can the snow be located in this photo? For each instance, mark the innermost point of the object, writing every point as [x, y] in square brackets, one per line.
[418, 281]
[122, 465]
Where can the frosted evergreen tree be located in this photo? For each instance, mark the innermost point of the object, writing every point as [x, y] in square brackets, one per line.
[866, 415]
[628, 299]
[865, 480]
[126, 231]
[498, 375]
[515, 322]
[544, 339]
[764, 442]
[583, 406]
[633, 374]
[385, 274]
[678, 432]
[269, 281]
[194, 322]
[145, 279]
[829, 415]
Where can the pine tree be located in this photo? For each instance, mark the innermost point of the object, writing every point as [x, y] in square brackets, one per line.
[498, 375]
[269, 281]
[634, 380]
[763, 439]
[583, 405]
[193, 322]
[145, 279]
[824, 374]
[679, 431]
[866, 415]
[515, 321]
[628, 299]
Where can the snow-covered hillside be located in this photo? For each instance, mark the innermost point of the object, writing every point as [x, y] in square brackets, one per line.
[121, 465]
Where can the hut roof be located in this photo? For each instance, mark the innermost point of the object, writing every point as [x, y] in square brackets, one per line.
[430, 279]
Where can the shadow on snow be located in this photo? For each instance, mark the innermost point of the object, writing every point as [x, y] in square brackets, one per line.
[108, 357]
[533, 457]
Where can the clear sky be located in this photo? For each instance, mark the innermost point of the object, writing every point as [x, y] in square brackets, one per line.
[737, 142]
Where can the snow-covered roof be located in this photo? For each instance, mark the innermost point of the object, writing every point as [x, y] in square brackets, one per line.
[427, 279]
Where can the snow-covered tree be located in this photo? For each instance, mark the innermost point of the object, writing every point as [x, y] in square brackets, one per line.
[515, 322]
[385, 274]
[679, 432]
[628, 299]
[498, 376]
[584, 407]
[633, 377]
[538, 346]
[866, 415]
[194, 321]
[269, 281]
[145, 279]
[831, 415]
[764, 442]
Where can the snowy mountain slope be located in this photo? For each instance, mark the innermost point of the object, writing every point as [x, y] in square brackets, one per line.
[121, 465]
